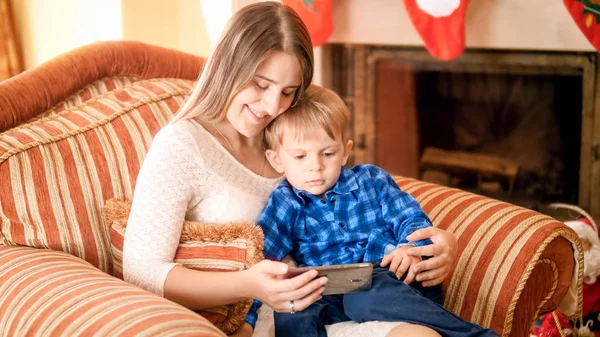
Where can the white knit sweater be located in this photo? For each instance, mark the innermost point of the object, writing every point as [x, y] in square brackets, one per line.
[189, 175]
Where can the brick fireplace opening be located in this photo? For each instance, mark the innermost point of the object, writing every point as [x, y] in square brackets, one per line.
[516, 126]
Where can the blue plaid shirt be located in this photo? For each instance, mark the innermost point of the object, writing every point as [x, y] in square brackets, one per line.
[363, 217]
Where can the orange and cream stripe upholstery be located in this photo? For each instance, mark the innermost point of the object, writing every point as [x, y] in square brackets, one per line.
[513, 263]
[91, 116]
[59, 170]
[92, 90]
[49, 293]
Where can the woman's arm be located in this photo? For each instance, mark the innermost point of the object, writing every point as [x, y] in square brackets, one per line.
[263, 281]
[166, 184]
[444, 248]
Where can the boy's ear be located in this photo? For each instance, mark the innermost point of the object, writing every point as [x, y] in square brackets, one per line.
[274, 160]
[347, 150]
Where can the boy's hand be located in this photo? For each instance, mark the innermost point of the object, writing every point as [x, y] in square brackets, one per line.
[401, 262]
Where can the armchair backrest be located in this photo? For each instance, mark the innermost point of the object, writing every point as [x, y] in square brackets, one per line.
[58, 166]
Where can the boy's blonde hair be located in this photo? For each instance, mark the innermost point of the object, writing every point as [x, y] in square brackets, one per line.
[318, 108]
[250, 36]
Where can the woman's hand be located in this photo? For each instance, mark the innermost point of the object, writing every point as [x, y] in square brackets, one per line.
[443, 251]
[268, 284]
[400, 262]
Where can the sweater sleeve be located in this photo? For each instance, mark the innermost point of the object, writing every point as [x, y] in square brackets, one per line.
[164, 190]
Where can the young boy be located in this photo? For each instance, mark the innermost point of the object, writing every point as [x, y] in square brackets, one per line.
[324, 214]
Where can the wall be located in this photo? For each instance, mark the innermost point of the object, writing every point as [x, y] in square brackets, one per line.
[503, 24]
[177, 24]
[47, 28]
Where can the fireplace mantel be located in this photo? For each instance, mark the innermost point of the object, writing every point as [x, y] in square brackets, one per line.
[495, 24]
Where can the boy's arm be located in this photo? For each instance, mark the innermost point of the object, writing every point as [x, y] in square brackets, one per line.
[276, 221]
[400, 210]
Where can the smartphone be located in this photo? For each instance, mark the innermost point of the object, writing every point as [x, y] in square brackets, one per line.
[342, 278]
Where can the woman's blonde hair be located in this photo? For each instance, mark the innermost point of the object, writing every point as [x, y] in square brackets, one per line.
[250, 35]
[317, 108]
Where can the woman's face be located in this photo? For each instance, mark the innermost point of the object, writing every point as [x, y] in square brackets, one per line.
[269, 93]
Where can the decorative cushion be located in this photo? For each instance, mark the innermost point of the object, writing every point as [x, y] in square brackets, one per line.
[230, 247]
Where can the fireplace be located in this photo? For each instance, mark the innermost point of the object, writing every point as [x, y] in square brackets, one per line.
[449, 122]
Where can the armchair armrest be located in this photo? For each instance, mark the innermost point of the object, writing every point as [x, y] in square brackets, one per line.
[513, 264]
[50, 293]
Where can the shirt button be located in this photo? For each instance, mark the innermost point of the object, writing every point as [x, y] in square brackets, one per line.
[322, 201]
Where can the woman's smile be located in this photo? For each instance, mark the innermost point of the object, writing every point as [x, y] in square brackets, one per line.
[257, 114]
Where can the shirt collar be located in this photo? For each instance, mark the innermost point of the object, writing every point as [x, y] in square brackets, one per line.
[346, 184]
[299, 193]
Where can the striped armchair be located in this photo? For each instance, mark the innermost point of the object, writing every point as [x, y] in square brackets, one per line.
[73, 134]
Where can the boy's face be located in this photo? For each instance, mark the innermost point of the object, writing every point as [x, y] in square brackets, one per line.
[312, 164]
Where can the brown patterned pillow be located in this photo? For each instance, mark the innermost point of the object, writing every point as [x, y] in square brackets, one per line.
[230, 247]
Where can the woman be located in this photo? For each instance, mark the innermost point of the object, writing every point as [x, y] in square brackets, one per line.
[209, 165]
